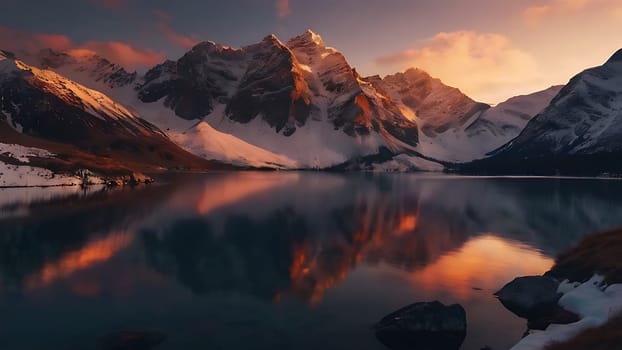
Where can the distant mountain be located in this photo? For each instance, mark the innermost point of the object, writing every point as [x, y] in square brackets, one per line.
[580, 132]
[93, 67]
[488, 129]
[300, 100]
[300, 105]
[40, 108]
[435, 106]
[454, 127]
[293, 105]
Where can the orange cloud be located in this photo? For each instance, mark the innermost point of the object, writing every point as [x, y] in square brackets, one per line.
[486, 66]
[18, 41]
[536, 13]
[129, 55]
[557, 8]
[54, 41]
[282, 8]
[175, 38]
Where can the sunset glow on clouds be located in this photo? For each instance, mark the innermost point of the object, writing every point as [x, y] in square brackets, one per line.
[282, 8]
[128, 55]
[511, 48]
[552, 8]
[164, 25]
[481, 64]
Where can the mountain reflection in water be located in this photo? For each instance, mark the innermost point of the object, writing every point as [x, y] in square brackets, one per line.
[287, 260]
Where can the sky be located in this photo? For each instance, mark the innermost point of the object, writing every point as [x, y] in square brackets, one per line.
[490, 49]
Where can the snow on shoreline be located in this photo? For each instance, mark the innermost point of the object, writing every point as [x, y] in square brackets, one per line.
[12, 175]
[28, 176]
[23, 153]
[592, 301]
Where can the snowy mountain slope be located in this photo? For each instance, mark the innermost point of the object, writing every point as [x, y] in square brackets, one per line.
[74, 63]
[579, 132]
[197, 138]
[347, 100]
[342, 117]
[455, 128]
[435, 106]
[487, 130]
[301, 105]
[506, 120]
[40, 105]
[21, 82]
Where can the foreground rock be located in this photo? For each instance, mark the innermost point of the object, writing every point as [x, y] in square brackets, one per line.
[423, 326]
[530, 297]
[591, 306]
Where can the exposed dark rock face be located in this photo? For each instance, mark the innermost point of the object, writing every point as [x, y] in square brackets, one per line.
[257, 80]
[283, 84]
[272, 87]
[192, 85]
[424, 326]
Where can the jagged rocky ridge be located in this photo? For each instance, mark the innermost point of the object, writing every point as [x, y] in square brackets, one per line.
[300, 104]
[272, 104]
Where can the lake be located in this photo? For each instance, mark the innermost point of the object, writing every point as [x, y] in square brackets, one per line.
[281, 260]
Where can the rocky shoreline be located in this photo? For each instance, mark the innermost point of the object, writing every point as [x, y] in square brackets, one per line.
[575, 305]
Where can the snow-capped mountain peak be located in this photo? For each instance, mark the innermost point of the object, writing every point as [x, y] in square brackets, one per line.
[298, 103]
[310, 37]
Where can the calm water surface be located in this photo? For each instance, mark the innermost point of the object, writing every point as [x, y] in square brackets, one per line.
[280, 260]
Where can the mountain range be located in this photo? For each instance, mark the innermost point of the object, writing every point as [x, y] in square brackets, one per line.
[577, 133]
[289, 105]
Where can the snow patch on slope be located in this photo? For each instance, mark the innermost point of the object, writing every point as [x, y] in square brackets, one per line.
[209, 143]
[487, 130]
[317, 145]
[405, 163]
[95, 102]
[201, 139]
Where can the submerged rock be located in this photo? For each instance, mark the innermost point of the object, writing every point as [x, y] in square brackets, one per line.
[132, 340]
[423, 326]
